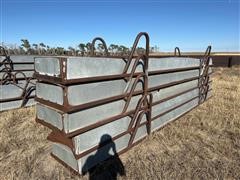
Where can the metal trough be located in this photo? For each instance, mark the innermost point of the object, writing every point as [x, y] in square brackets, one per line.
[70, 70]
[17, 86]
[15, 95]
[98, 107]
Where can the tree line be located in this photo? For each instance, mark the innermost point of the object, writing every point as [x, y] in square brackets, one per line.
[83, 49]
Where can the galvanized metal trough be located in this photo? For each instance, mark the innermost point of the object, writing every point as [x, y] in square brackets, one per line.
[98, 107]
[17, 85]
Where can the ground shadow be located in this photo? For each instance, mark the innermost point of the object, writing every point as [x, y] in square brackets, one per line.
[105, 163]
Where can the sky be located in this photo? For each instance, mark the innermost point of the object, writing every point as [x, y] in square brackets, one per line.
[191, 25]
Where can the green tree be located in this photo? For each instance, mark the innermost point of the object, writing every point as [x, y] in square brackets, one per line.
[82, 48]
[88, 47]
[123, 50]
[113, 48]
[36, 49]
[42, 48]
[42, 45]
[59, 51]
[52, 51]
[72, 51]
[21, 50]
[100, 48]
[140, 50]
[48, 49]
[151, 49]
[26, 45]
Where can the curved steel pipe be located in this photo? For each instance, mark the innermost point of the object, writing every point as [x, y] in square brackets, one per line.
[136, 43]
[4, 51]
[177, 50]
[134, 48]
[145, 58]
[204, 76]
[104, 45]
[143, 101]
[208, 51]
[7, 60]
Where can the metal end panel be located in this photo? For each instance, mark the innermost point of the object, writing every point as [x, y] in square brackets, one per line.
[50, 116]
[65, 154]
[50, 92]
[49, 66]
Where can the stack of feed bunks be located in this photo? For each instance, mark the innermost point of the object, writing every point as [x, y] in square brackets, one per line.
[17, 86]
[97, 107]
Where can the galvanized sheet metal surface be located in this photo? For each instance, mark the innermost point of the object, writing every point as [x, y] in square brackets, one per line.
[85, 93]
[27, 74]
[83, 67]
[15, 104]
[48, 66]
[90, 106]
[166, 118]
[50, 92]
[17, 87]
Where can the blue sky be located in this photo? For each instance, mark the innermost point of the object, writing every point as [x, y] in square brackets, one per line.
[190, 24]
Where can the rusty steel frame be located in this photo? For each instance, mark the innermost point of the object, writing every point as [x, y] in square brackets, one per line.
[61, 81]
[111, 119]
[177, 51]
[57, 137]
[52, 136]
[103, 43]
[26, 91]
[61, 78]
[8, 65]
[136, 118]
[204, 76]
[67, 108]
[8, 70]
[7, 59]
[10, 77]
[144, 75]
[144, 105]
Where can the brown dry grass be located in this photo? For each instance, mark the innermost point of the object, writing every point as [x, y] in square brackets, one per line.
[204, 144]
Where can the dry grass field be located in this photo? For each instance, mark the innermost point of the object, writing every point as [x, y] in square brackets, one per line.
[204, 144]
